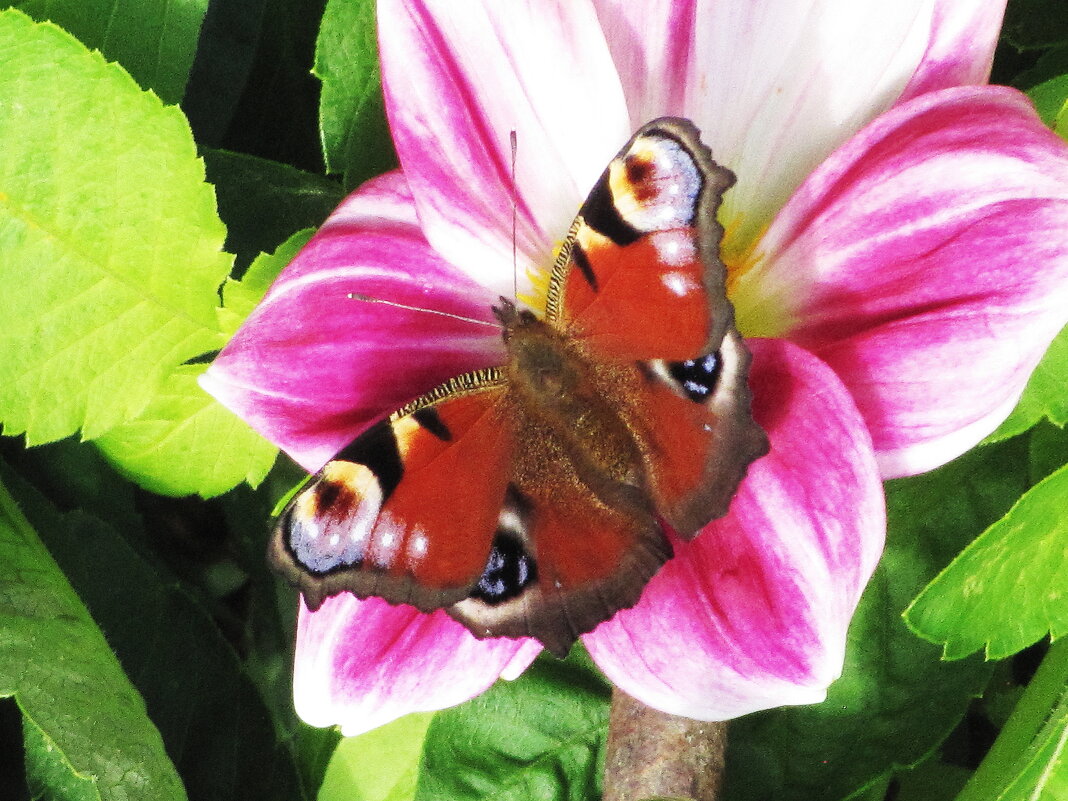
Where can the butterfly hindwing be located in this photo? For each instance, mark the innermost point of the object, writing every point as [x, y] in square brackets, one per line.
[407, 511]
[695, 428]
[568, 557]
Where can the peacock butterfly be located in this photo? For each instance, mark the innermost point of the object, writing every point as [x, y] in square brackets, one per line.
[530, 499]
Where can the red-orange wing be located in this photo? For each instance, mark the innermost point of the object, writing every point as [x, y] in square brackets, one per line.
[639, 276]
[693, 423]
[639, 281]
[407, 511]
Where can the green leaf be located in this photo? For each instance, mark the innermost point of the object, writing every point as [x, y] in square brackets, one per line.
[251, 89]
[241, 296]
[1009, 588]
[48, 774]
[1029, 759]
[1051, 100]
[394, 752]
[896, 700]
[541, 736]
[154, 40]
[214, 723]
[186, 442]
[65, 678]
[931, 781]
[262, 202]
[1035, 24]
[1045, 777]
[352, 115]
[110, 255]
[1046, 394]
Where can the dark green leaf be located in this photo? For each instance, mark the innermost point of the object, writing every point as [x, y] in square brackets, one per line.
[1034, 24]
[213, 721]
[1009, 588]
[48, 774]
[1048, 448]
[65, 678]
[154, 40]
[356, 141]
[539, 737]
[931, 781]
[896, 699]
[251, 88]
[1050, 64]
[263, 202]
[229, 40]
[111, 263]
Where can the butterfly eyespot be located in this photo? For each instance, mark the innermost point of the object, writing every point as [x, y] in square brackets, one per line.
[508, 571]
[696, 378]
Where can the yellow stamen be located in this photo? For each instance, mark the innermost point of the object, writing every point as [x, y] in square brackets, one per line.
[740, 253]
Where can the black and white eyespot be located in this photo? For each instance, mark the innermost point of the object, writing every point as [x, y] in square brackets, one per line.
[694, 379]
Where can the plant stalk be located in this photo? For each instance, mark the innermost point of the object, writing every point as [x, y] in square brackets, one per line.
[651, 754]
[1046, 689]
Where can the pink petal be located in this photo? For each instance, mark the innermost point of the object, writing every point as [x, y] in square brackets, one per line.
[652, 44]
[961, 48]
[926, 262]
[312, 367]
[753, 613]
[776, 85]
[361, 664]
[458, 78]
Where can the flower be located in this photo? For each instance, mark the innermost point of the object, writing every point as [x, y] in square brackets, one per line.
[897, 259]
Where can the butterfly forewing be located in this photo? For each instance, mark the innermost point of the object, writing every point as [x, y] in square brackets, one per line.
[407, 511]
[639, 276]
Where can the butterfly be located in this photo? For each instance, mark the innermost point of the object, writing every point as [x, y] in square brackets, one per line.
[530, 499]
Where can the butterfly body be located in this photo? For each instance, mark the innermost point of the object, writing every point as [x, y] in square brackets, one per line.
[530, 499]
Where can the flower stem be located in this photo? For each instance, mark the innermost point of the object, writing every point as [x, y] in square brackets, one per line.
[1046, 689]
[651, 754]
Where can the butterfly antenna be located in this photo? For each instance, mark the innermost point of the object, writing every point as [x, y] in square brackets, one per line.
[395, 304]
[513, 140]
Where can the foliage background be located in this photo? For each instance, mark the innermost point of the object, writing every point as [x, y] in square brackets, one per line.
[158, 186]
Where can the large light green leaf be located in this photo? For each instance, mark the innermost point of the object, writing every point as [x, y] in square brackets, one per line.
[65, 678]
[1009, 588]
[186, 442]
[382, 765]
[110, 245]
[154, 40]
[352, 114]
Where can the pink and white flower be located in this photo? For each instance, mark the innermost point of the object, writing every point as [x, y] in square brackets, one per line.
[898, 251]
